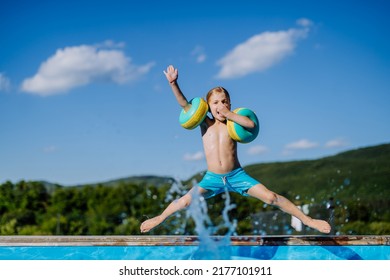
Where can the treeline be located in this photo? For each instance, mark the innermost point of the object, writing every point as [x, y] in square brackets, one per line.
[30, 208]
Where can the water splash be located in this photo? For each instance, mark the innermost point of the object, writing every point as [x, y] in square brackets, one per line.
[177, 190]
[210, 246]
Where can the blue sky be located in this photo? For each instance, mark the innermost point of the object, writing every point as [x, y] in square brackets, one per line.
[83, 97]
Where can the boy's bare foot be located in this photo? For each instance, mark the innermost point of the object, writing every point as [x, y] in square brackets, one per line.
[150, 224]
[320, 225]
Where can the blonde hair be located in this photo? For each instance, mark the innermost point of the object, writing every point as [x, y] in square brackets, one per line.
[217, 90]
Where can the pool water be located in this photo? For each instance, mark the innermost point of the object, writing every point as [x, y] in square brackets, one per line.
[192, 253]
[191, 248]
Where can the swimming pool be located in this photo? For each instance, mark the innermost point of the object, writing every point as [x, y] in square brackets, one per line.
[192, 248]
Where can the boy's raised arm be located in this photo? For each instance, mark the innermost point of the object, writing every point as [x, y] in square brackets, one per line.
[172, 75]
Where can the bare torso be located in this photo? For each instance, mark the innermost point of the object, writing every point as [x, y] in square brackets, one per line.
[220, 150]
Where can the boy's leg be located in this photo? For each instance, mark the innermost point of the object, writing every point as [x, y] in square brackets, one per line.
[259, 191]
[172, 208]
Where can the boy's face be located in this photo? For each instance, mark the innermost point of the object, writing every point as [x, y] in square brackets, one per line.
[219, 105]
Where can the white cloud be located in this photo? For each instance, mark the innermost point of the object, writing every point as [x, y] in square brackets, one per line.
[302, 144]
[5, 83]
[258, 149]
[194, 157]
[76, 66]
[335, 143]
[261, 51]
[201, 58]
[199, 54]
[110, 44]
[304, 22]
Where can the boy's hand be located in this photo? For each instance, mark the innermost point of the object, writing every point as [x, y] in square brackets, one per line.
[223, 110]
[171, 74]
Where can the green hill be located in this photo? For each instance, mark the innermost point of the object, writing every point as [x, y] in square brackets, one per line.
[135, 180]
[362, 174]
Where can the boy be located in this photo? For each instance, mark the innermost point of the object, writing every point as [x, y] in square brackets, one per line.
[223, 168]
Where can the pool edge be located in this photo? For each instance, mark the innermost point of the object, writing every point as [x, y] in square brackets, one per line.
[180, 240]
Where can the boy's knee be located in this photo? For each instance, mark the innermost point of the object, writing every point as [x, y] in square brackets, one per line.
[272, 199]
[185, 200]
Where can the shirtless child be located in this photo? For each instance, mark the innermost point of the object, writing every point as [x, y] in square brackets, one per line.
[223, 168]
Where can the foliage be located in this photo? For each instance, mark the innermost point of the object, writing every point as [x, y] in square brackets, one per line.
[358, 181]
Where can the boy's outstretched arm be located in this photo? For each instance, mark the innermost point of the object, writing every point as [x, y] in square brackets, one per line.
[172, 75]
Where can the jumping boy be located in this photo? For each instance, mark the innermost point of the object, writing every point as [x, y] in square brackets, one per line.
[223, 168]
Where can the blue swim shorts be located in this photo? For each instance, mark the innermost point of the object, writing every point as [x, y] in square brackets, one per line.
[235, 181]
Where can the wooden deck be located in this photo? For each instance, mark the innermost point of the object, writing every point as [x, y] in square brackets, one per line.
[177, 240]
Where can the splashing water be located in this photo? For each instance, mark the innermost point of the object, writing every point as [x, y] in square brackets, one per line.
[175, 192]
[209, 248]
